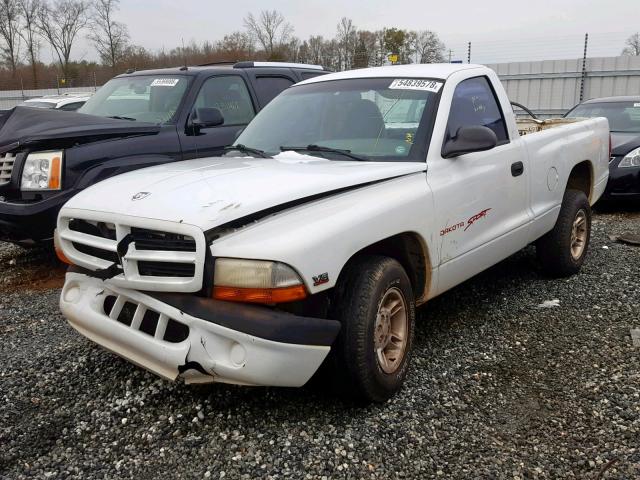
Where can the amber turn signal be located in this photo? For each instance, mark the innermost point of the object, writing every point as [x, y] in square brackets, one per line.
[56, 171]
[268, 296]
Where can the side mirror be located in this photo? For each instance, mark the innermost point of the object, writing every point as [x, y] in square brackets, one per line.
[468, 140]
[208, 117]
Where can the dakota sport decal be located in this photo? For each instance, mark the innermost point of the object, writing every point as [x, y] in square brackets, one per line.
[465, 225]
[476, 217]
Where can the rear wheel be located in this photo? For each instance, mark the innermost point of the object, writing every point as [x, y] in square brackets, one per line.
[563, 250]
[376, 308]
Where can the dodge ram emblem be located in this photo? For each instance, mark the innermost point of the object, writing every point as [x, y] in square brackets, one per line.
[140, 196]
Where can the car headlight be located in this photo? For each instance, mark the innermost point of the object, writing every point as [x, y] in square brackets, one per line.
[42, 171]
[632, 159]
[256, 281]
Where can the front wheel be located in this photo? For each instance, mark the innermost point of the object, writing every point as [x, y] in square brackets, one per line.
[562, 251]
[376, 307]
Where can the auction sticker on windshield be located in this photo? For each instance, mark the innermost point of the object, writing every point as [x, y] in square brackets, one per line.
[165, 82]
[415, 84]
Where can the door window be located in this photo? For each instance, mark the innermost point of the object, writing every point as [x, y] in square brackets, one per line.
[228, 94]
[269, 88]
[474, 104]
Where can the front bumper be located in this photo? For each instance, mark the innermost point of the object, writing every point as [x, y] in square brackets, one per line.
[23, 222]
[623, 182]
[198, 339]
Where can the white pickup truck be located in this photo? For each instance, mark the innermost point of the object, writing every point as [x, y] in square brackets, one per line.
[349, 200]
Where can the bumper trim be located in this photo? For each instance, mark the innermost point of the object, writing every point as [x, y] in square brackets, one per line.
[254, 320]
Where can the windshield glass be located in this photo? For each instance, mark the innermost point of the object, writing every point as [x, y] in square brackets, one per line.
[380, 119]
[153, 99]
[622, 116]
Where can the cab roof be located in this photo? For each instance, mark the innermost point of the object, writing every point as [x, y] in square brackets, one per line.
[422, 70]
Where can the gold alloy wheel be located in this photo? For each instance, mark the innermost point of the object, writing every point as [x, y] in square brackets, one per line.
[579, 234]
[391, 330]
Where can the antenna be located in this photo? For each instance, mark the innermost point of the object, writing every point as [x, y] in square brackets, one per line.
[184, 54]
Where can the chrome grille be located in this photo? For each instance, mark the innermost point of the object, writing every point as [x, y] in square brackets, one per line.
[152, 255]
[7, 161]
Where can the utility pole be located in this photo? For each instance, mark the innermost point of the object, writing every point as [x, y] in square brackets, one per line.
[584, 66]
[469, 53]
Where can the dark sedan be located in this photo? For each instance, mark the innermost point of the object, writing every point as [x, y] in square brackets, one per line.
[623, 114]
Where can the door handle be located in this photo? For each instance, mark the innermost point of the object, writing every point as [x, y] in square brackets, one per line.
[517, 169]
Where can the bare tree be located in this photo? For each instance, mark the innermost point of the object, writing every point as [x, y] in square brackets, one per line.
[632, 45]
[315, 50]
[271, 30]
[60, 24]
[346, 38]
[236, 45]
[110, 37]
[10, 33]
[428, 47]
[29, 33]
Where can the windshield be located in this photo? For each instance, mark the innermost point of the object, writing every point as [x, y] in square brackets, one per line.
[153, 99]
[622, 116]
[380, 119]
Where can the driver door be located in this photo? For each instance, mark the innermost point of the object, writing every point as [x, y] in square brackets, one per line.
[481, 198]
[229, 94]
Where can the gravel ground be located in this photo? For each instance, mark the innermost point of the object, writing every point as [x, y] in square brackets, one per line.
[500, 388]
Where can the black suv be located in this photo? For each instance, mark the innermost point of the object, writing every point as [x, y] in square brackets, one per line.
[135, 120]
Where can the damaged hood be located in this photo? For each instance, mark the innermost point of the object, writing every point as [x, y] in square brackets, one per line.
[210, 192]
[24, 125]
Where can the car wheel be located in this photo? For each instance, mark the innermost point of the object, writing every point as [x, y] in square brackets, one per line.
[562, 251]
[377, 310]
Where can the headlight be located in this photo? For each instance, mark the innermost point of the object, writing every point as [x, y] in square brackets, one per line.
[632, 159]
[42, 171]
[256, 281]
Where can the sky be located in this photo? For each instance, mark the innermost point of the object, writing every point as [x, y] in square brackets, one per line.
[499, 30]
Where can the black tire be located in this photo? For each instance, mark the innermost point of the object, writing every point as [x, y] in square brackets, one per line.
[356, 371]
[554, 249]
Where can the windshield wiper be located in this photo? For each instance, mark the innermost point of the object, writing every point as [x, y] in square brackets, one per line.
[244, 149]
[320, 148]
[117, 117]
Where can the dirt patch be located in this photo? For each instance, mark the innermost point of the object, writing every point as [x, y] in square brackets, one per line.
[29, 269]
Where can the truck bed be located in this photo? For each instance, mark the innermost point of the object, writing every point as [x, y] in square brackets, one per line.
[533, 125]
